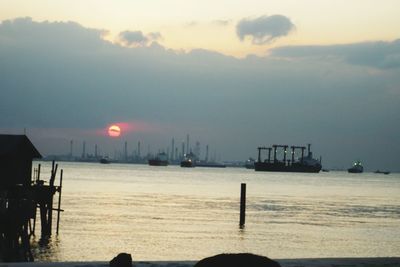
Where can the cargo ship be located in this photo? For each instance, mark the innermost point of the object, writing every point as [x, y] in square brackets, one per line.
[303, 164]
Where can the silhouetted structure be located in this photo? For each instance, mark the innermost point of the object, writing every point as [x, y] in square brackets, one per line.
[20, 195]
[121, 260]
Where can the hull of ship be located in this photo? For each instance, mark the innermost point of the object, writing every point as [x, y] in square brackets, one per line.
[154, 162]
[276, 167]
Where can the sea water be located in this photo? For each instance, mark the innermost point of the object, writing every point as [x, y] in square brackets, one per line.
[174, 213]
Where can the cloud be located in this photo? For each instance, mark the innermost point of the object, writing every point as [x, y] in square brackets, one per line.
[20, 30]
[221, 22]
[380, 54]
[137, 38]
[155, 36]
[264, 29]
[63, 75]
[191, 24]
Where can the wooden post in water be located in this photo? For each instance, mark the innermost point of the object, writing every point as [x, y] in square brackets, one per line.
[242, 205]
[35, 212]
[38, 173]
[50, 200]
[59, 201]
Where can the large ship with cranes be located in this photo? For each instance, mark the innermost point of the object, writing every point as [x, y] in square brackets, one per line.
[306, 163]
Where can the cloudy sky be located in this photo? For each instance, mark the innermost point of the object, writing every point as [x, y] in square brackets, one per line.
[232, 74]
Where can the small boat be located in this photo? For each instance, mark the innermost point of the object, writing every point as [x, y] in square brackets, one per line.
[104, 161]
[188, 161]
[356, 168]
[160, 160]
[382, 172]
[325, 170]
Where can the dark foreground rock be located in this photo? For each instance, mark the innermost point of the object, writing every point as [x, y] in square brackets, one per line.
[121, 260]
[237, 260]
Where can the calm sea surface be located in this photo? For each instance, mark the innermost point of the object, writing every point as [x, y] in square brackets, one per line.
[174, 213]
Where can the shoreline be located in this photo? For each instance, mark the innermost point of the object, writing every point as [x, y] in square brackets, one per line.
[307, 262]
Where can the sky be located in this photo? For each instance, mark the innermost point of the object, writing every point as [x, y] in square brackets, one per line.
[233, 74]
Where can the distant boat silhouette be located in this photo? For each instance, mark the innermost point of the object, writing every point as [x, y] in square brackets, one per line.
[249, 163]
[188, 161]
[159, 160]
[356, 168]
[104, 161]
[382, 172]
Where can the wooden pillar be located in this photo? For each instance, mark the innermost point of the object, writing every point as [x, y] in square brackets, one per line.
[43, 218]
[50, 200]
[242, 205]
[38, 173]
[59, 202]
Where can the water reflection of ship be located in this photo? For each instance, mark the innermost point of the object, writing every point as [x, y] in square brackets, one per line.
[160, 160]
[303, 164]
[356, 168]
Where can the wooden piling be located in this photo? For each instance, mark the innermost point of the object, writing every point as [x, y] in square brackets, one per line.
[38, 173]
[34, 221]
[242, 205]
[59, 201]
[50, 203]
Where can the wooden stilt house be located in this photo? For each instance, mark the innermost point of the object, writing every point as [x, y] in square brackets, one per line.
[16, 155]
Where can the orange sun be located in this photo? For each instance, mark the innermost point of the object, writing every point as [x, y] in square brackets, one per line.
[114, 131]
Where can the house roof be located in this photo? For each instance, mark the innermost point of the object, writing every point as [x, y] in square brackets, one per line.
[15, 145]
